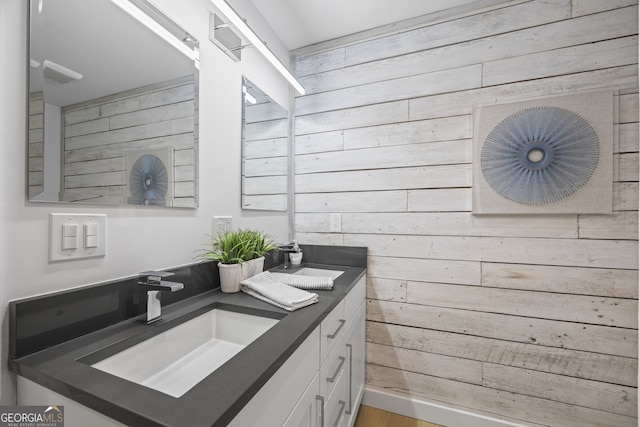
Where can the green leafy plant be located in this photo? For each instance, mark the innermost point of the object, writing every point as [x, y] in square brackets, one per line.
[238, 246]
[261, 243]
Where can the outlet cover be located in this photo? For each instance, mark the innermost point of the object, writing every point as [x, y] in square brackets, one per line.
[221, 224]
[335, 223]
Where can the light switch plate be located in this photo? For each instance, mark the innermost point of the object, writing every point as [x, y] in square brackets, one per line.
[221, 224]
[94, 246]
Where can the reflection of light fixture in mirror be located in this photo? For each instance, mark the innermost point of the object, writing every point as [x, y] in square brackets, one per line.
[58, 73]
[247, 96]
[237, 22]
[161, 31]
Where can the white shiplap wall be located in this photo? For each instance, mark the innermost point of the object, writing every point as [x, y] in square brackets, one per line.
[527, 318]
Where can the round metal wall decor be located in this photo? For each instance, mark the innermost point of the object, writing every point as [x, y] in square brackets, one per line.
[149, 180]
[540, 155]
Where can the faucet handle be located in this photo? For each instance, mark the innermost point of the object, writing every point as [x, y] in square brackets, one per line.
[153, 277]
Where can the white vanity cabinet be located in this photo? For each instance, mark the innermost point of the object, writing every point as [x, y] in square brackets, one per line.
[333, 395]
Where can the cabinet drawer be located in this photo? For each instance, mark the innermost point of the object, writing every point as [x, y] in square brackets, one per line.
[355, 297]
[335, 406]
[331, 329]
[332, 367]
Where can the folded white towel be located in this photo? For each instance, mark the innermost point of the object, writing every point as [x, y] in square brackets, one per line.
[304, 282]
[265, 288]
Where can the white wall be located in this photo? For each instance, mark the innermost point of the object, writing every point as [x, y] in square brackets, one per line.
[137, 239]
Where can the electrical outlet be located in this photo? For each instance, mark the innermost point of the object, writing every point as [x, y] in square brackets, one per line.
[221, 224]
[335, 223]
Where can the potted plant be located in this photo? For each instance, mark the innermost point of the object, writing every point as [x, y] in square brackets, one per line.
[240, 254]
[230, 249]
[261, 244]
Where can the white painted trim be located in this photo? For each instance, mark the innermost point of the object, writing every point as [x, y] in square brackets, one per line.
[428, 411]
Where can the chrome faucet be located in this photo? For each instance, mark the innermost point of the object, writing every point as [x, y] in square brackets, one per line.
[152, 282]
[287, 249]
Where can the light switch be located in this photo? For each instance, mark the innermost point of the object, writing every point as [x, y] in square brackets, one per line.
[73, 236]
[91, 235]
[69, 236]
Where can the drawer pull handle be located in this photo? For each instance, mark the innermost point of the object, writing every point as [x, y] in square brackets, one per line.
[335, 334]
[350, 379]
[341, 402]
[321, 400]
[333, 378]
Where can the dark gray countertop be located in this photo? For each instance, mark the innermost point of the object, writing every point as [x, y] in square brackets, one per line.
[216, 399]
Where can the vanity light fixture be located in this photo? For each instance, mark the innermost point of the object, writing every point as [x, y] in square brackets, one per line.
[158, 29]
[235, 21]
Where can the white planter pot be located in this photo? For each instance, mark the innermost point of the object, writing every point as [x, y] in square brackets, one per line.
[230, 277]
[252, 267]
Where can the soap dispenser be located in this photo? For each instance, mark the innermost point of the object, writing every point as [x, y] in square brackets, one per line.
[295, 256]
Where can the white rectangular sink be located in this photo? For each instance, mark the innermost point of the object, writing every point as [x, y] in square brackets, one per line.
[310, 271]
[174, 361]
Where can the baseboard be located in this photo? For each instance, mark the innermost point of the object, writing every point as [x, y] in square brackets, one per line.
[429, 411]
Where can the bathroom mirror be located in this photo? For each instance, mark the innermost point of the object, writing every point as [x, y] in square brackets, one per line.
[113, 105]
[265, 146]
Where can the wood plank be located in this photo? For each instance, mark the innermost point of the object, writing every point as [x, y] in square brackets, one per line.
[387, 289]
[458, 224]
[541, 305]
[153, 130]
[627, 167]
[265, 167]
[319, 142]
[304, 65]
[440, 200]
[621, 225]
[584, 393]
[375, 201]
[593, 56]
[561, 361]
[569, 280]
[86, 127]
[265, 185]
[465, 370]
[386, 179]
[152, 115]
[459, 103]
[267, 130]
[443, 129]
[461, 30]
[273, 202]
[587, 29]
[436, 82]
[423, 154]
[629, 136]
[94, 166]
[94, 180]
[614, 254]
[370, 115]
[266, 148]
[445, 271]
[181, 141]
[585, 7]
[479, 398]
[629, 111]
[128, 101]
[625, 196]
[543, 332]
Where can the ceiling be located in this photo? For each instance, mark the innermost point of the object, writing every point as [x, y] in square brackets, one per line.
[301, 23]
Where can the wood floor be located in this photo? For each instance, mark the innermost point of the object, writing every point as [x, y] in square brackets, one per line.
[373, 417]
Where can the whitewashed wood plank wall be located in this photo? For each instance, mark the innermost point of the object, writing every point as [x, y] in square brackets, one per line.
[36, 144]
[98, 133]
[526, 318]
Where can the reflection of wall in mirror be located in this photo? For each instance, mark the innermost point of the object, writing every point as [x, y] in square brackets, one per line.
[36, 144]
[97, 134]
[266, 131]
